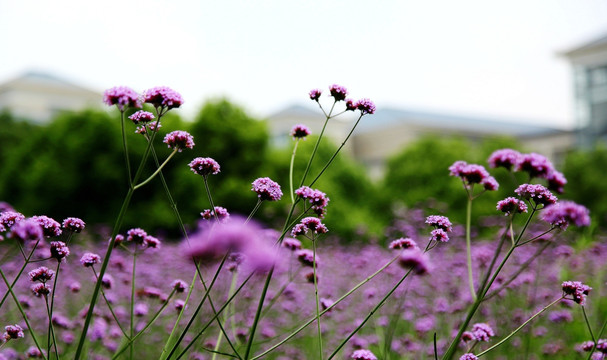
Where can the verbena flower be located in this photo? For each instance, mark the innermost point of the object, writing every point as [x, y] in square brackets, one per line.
[291, 244]
[299, 229]
[403, 243]
[439, 222]
[179, 140]
[221, 212]
[151, 242]
[415, 260]
[473, 174]
[314, 224]
[204, 166]
[576, 290]
[556, 181]
[506, 158]
[317, 198]
[27, 230]
[136, 235]
[267, 189]
[163, 96]
[535, 164]
[511, 205]
[73, 224]
[363, 354]
[90, 259]
[338, 92]
[306, 257]
[179, 286]
[13, 332]
[439, 235]
[122, 97]
[300, 131]
[468, 356]
[42, 274]
[50, 227]
[40, 289]
[564, 213]
[351, 105]
[365, 106]
[142, 117]
[538, 193]
[9, 218]
[315, 94]
[482, 331]
[152, 126]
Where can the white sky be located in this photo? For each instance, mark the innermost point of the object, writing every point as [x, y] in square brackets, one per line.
[474, 57]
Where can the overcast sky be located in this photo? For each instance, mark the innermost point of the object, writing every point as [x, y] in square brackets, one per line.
[474, 57]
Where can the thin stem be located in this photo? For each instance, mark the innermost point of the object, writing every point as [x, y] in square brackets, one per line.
[520, 327]
[255, 208]
[383, 300]
[111, 309]
[10, 289]
[468, 248]
[51, 329]
[225, 318]
[20, 272]
[435, 350]
[536, 237]
[50, 316]
[126, 150]
[595, 344]
[258, 314]
[291, 166]
[303, 178]
[317, 300]
[132, 304]
[157, 170]
[588, 324]
[206, 187]
[311, 320]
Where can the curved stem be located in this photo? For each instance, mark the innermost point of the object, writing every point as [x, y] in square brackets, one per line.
[126, 150]
[291, 171]
[520, 327]
[257, 205]
[27, 261]
[317, 300]
[50, 311]
[110, 307]
[303, 178]
[588, 324]
[595, 344]
[157, 170]
[468, 248]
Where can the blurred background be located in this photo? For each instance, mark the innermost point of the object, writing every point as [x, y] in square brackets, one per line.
[451, 80]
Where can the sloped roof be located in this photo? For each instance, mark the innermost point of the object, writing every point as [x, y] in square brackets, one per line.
[594, 44]
[40, 78]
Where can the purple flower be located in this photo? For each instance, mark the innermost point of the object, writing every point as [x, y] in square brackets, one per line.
[439, 235]
[482, 331]
[363, 355]
[163, 96]
[179, 140]
[59, 250]
[107, 281]
[142, 117]
[9, 218]
[556, 181]
[28, 229]
[150, 242]
[136, 235]
[566, 212]
[300, 131]
[315, 94]
[535, 164]
[40, 289]
[221, 212]
[439, 222]
[317, 198]
[511, 205]
[179, 286]
[13, 331]
[291, 244]
[299, 229]
[338, 92]
[473, 174]
[267, 189]
[90, 259]
[365, 106]
[577, 290]
[314, 224]
[490, 184]
[73, 224]
[538, 193]
[143, 129]
[306, 257]
[403, 243]
[50, 227]
[122, 97]
[351, 105]
[140, 309]
[204, 166]
[415, 260]
[42, 274]
[506, 158]
[468, 356]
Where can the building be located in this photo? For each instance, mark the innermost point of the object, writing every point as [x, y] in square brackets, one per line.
[589, 62]
[38, 97]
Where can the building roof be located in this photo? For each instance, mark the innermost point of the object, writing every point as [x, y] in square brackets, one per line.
[595, 44]
[41, 79]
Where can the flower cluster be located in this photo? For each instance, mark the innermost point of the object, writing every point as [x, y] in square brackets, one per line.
[59, 250]
[363, 354]
[267, 189]
[73, 224]
[50, 227]
[142, 117]
[506, 158]
[402, 243]
[152, 126]
[415, 260]
[90, 259]
[442, 226]
[204, 166]
[468, 356]
[338, 92]
[179, 140]
[309, 223]
[473, 174]
[566, 212]
[577, 290]
[306, 257]
[163, 96]
[538, 193]
[12, 332]
[27, 230]
[511, 205]
[315, 94]
[122, 97]
[9, 218]
[317, 198]
[221, 213]
[300, 131]
[482, 332]
[41, 274]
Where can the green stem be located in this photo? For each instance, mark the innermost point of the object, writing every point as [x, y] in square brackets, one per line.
[258, 314]
[225, 318]
[383, 300]
[588, 324]
[51, 330]
[311, 320]
[303, 178]
[206, 187]
[519, 328]
[468, 248]
[317, 300]
[126, 150]
[10, 289]
[27, 260]
[132, 317]
[50, 316]
[257, 205]
[291, 172]
[598, 337]
[157, 170]
[110, 307]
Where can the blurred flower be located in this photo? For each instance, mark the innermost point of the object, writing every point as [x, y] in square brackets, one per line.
[221, 212]
[204, 166]
[13, 332]
[511, 205]
[179, 286]
[163, 96]
[535, 164]
[28, 229]
[416, 260]
[291, 244]
[338, 92]
[151, 242]
[403, 243]
[468, 356]
[73, 224]
[9, 218]
[136, 235]
[152, 126]
[42, 274]
[40, 289]
[267, 189]
[142, 117]
[556, 181]
[122, 97]
[566, 212]
[363, 355]
[90, 259]
[306, 257]
[505, 158]
[577, 290]
[538, 193]
[315, 94]
[179, 140]
[482, 331]
[351, 105]
[300, 131]
[50, 227]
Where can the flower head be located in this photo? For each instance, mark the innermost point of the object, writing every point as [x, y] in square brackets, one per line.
[338, 92]
[204, 166]
[317, 198]
[73, 224]
[28, 229]
[439, 235]
[179, 286]
[291, 244]
[468, 356]
[122, 97]
[511, 205]
[151, 242]
[221, 213]
[576, 290]
[403, 243]
[136, 235]
[351, 105]
[556, 181]
[315, 94]
[535, 164]
[90, 259]
[415, 260]
[439, 222]
[163, 96]
[59, 250]
[50, 227]
[142, 117]
[152, 126]
[473, 174]
[179, 140]
[9, 218]
[42, 274]
[267, 189]
[506, 158]
[300, 131]
[13, 332]
[538, 193]
[306, 257]
[40, 289]
[365, 106]
[363, 354]
[566, 212]
[314, 224]
[482, 331]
